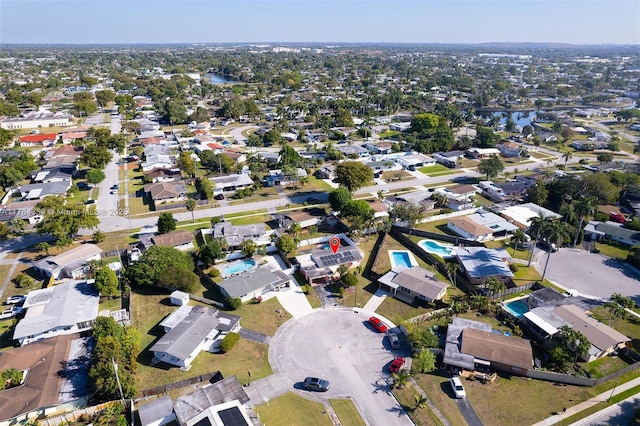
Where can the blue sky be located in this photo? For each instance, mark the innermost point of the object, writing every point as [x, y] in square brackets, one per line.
[425, 21]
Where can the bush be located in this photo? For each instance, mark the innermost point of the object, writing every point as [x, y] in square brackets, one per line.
[214, 273]
[229, 342]
[513, 267]
[233, 302]
[350, 280]
[23, 281]
[600, 217]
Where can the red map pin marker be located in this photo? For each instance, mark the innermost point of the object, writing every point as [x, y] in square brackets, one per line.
[334, 243]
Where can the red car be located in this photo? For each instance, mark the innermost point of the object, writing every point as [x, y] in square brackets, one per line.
[397, 364]
[378, 325]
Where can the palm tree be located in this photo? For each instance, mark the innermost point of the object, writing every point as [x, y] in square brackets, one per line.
[44, 246]
[625, 302]
[496, 286]
[554, 232]
[584, 207]
[535, 227]
[567, 156]
[568, 211]
[452, 271]
[518, 237]
[191, 206]
[478, 301]
[380, 194]
[295, 229]
[616, 311]
[420, 401]
[401, 378]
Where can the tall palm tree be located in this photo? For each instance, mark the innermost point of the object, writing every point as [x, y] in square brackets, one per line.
[616, 311]
[517, 237]
[554, 232]
[535, 227]
[452, 271]
[584, 207]
[191, 206]
[567, 156]
[496, 286]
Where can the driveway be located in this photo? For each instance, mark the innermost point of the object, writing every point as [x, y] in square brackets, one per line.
[338, 345]
[590, 274]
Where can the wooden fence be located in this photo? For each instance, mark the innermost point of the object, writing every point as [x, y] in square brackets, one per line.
[203, 378]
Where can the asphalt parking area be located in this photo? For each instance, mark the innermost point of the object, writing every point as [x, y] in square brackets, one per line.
[591, 274]
[338, 345]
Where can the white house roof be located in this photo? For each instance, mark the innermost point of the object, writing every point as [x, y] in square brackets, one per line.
[482, 262]
[61, 306]
[523, 213]
[253, 280]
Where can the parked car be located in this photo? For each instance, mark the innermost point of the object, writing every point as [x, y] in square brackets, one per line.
[456, 386]
[14, 300]
[316, 384]
[397, 364]
[10, 312]
[90, 201]
[219, 197]
[378, 325]
[394, 340]
[116, 186]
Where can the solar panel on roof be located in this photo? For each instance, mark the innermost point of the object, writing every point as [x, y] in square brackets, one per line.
[232, 417]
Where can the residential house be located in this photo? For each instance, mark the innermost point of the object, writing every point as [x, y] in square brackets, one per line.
[422, 198]
[188, 331]
[222, 403]
[157, 157]
[166, 192]
[22, 210]
[70, 137]
[42, 388]
[613, 231]
[414, 160]
[448, 159]
[253, 283]
[305, 218]
[237, 157]
[73, 263]
[482, 153]
[413, 284]
[37, 191]
[353, 151]
[382, 147]
[459, 197]
[521, 214]
[157, 412]
[234, 235]
[404, 126]
[510, 149]
[276, 177]
[163, 175]
[181, 240]
[588, 145]
[326, 172]
[480, 263]
[382, 166]
[55, 174]
[504, 191]
[473, 345]
[545, 323]
[40, 139]
[271, 158]
[468, 229]
[320, 265]
[231, 183]
[67, 308]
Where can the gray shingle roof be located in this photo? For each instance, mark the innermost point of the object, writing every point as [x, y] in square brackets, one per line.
[253, 280]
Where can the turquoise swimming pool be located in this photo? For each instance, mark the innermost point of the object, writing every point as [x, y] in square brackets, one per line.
[516, 308]
[434, 247]
[241, 266]
[402, 258]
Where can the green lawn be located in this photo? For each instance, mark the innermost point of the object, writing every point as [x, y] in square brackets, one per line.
[420, 416]
[629, 327]
[262, 317]
[437, 389]
[262, 194]
[603, 366]
[435, 169]
[617, 251]
[398, 311]
[347, 412]
[292, 410]
[138, 205]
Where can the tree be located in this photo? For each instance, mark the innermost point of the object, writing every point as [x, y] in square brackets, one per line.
[584, 207]
[518, 237]
[179, 279]
[339, 197]
[233, 302]
[166, 223]
[210, 252]
[205, 187]
[95, 176]
[104, 97]
[350, 280]
[576, 342]
[106, 281]
[567, 156]
[229, 341]
[186, 164]
[424, 362]
[295, 229]
[485, 138]
[44, 246]
[625, 302]
[353, 174]
[248, 247]
[83, 103]
[191, 206]
[452, 271]
[491, 167]
[553, 232]
[63, 218]
[496, 286]
[98, 236]
[616, 311]
[23, 281]
[174, 112]
[401, 378]
[411, 213]
[358, 208]
[155, 262]
[286, 244]
[95, 156]
[604, 157]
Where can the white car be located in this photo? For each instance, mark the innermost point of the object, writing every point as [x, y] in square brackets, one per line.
[14, 300]
[456, 386]
[10, 312]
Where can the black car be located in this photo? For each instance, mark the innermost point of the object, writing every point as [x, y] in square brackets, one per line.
[315, 384]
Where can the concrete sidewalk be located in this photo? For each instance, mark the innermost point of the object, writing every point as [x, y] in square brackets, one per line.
[375, 301]
[294, 300]
[570, 411]
[270, 387]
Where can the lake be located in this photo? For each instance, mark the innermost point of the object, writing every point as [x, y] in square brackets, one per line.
[218, 79]
[520, 118]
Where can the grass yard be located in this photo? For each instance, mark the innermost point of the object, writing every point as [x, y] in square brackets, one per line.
[435, 169]
[437, 389]
[115, 240]
[396, 175]
[293, 410]
[262, 317]
[316, 184]
[399, 311]
[603, 366]
[611, 250]
[629, 327]
[347, 412]
[138, 205]
[420, 416]
[265, 193]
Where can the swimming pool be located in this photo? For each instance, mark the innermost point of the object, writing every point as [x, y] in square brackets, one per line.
[434, 247]
[241, 266]
[402, 258]
[517, 308]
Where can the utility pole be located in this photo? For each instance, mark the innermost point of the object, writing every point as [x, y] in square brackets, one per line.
[115, 369]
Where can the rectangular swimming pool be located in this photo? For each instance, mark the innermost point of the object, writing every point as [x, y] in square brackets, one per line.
[516, 308]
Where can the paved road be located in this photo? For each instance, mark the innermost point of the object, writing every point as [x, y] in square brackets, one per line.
[345, 351]
[620, 414]
[587, 272]
[468, 412]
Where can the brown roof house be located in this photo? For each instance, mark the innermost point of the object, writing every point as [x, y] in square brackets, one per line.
[468, 229]
[181, 240]
[472, 345]
[411, 284]
[73, 263]
[42, 387]
[166, 192]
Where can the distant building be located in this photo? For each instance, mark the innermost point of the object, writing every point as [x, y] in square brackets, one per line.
[37, 120]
